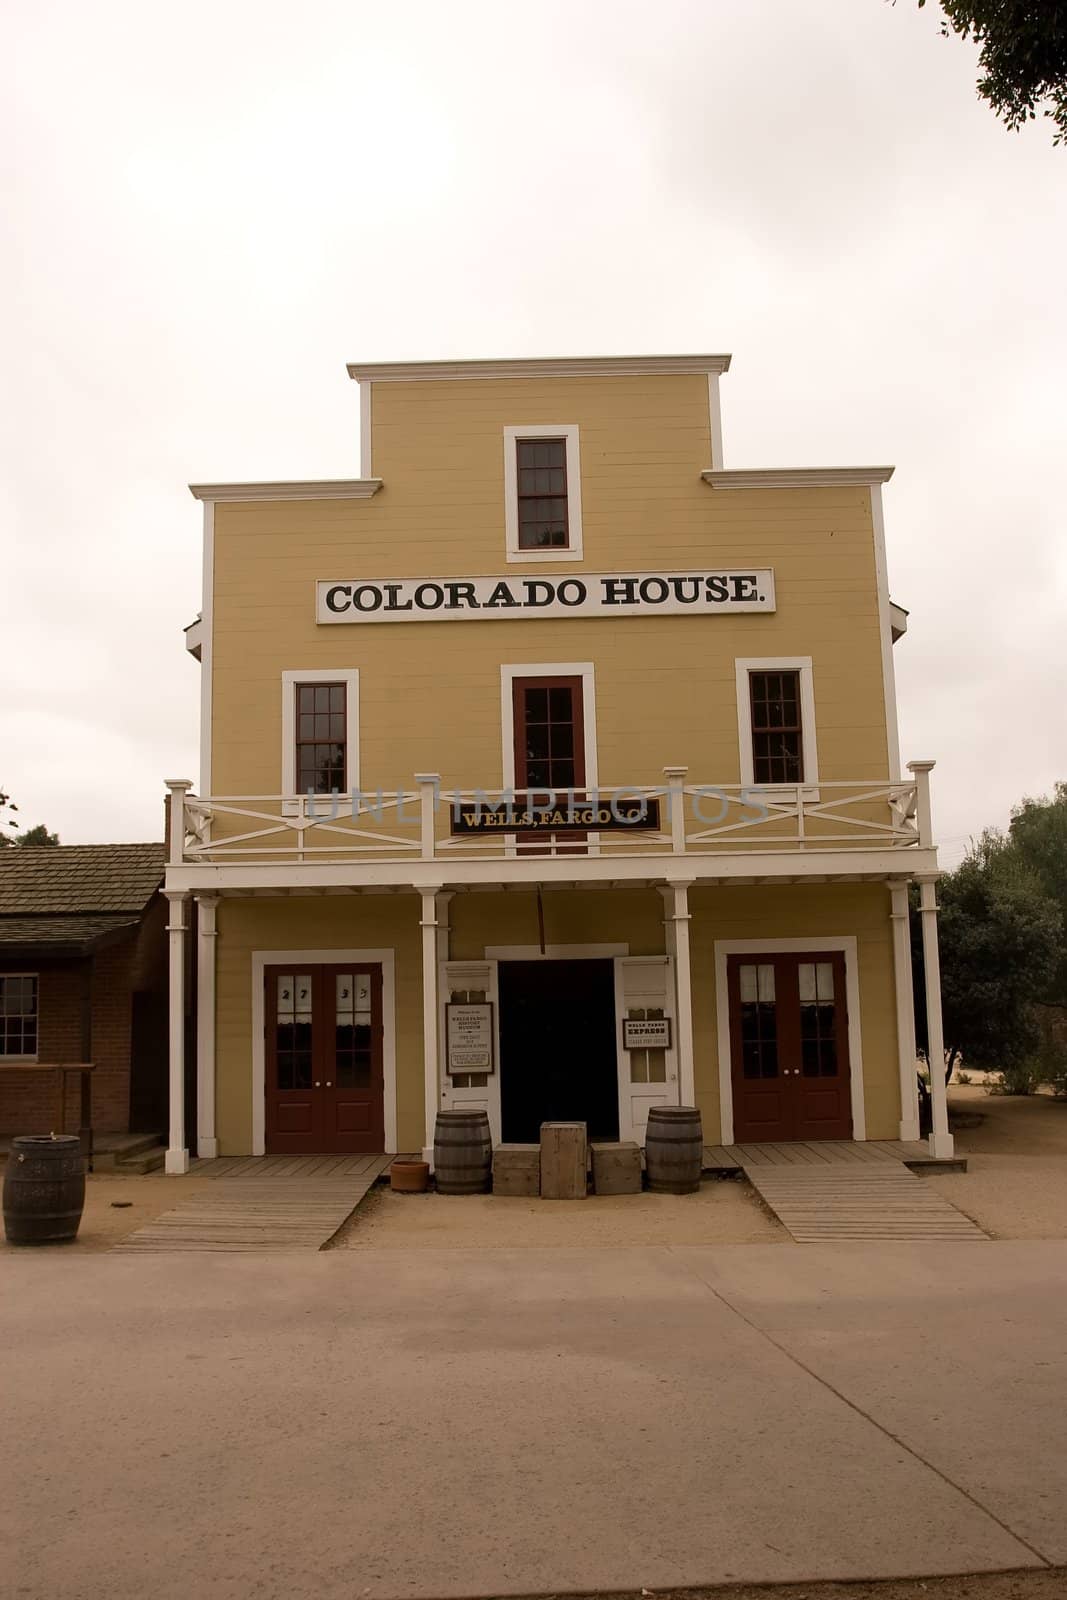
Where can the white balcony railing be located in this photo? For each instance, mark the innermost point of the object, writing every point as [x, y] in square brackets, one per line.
[430, 822]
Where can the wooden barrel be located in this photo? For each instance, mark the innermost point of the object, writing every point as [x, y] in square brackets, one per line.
[44, 1189]
[462, 1152]
[674, 1149]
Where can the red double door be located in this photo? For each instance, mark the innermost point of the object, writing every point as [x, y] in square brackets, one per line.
[324, 1076]
[789, 1047]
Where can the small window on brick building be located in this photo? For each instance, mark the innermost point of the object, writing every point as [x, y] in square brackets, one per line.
[18, 1014]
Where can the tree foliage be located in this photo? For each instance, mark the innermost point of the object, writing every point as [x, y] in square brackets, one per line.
[1023, 56]
[33, 836]
[7, 806]
[38, 837]
[1000, 936]
[1038, 834]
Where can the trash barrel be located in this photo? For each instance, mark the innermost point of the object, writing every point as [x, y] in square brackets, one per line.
[44, 1189]
[674, 1149]
[462, 1152]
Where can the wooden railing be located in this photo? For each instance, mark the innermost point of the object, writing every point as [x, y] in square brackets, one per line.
[435, 823]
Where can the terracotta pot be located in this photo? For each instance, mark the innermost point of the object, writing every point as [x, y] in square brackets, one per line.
[409, 1177]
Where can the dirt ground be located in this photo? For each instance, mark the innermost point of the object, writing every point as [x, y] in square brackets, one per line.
[1015, 1186]
[1039, 1585]
[722, 1212]
[140, 1199]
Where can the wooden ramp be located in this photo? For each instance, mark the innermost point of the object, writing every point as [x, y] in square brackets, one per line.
[862, 1200]
[267, 1204]
[725, 1158]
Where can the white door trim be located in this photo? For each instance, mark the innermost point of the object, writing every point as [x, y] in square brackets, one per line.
[557, 952]
[846, 945]
[511, 670]
[669, 1092]
[261, 960]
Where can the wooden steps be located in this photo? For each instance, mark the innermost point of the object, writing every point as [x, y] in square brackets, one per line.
[863, 1201]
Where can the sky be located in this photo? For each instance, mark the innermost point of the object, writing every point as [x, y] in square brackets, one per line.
[206, 210]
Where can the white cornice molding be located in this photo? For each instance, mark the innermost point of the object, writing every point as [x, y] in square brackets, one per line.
[795, 477]
[550, 367]
[311, 489]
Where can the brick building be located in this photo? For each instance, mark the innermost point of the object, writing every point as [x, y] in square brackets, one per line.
[83, 977]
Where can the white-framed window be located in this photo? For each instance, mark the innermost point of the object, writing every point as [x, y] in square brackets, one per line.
[776, 723]
[18, 1016]
[539, 677]
[542, 492]
[320, 731]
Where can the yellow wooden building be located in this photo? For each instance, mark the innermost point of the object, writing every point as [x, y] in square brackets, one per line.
[548, 767]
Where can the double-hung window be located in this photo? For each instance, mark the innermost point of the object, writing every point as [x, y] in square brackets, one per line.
[321, 738]
[777, 731]
[18, 1015]
[542, 493]
[541, 465]
[320, 732]
[776, 723]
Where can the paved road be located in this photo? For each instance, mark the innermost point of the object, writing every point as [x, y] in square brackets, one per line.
[442, 1423]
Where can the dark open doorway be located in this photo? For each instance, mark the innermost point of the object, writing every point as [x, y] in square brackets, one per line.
[558, 1059]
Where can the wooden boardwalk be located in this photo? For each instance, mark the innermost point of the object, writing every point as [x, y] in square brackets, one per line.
[264, 1204]
[826, 1153]
[861, 1202]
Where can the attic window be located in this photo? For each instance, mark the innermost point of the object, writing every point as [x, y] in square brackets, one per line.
[542, 493]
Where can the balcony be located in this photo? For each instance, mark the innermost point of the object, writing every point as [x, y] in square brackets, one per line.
[431, 834]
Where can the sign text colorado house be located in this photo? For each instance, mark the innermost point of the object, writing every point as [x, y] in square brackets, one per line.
[618, 819]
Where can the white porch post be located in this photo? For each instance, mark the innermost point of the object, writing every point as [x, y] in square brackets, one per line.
[430, 1067]
[941, 1142]
[177, 1157]
[678, 919]
[207, 1145]
[906, 1054]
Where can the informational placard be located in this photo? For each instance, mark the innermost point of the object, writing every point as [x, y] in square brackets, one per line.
[469, 1036]
[521, 596]
[646, 1033]
[529, 814]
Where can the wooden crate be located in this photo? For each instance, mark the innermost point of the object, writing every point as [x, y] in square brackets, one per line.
[564, 1160]
[616, 1168]
[517, 1169]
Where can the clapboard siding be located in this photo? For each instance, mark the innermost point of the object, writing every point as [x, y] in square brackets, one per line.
[439, 449]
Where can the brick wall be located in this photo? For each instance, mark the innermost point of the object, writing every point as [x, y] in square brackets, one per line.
[29, 1103]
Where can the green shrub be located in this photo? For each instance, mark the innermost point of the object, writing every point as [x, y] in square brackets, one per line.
[1022, 1077]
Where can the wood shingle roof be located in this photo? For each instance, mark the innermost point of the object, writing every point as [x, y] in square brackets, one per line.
[67, 898]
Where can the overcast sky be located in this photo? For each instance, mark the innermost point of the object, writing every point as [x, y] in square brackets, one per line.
[207, 210]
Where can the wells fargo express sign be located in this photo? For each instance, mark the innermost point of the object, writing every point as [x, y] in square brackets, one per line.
[617, 594]
[533, 813]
